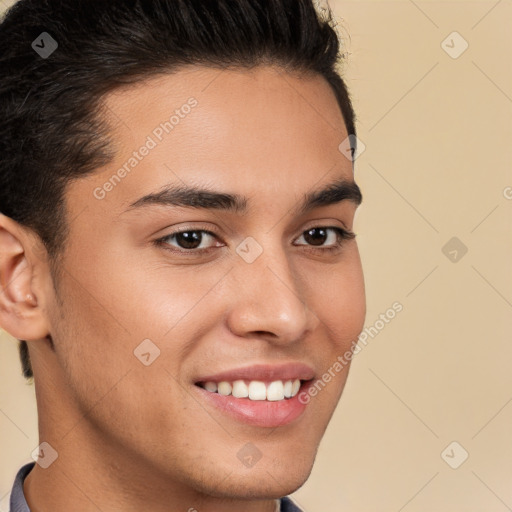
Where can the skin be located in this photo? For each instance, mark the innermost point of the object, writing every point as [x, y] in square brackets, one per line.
[131, 437]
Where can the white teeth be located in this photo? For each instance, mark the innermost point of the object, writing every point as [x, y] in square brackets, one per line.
[240, 389]
[275, 391]
[288, 388]
[256, 390]
[224, 388]
[210, 386]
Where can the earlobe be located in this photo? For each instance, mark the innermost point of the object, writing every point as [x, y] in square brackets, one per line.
[30, 299]
[21, 314]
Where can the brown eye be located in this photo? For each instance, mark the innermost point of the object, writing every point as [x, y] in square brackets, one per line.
[188, 240]
[315, 236]
[330, 237]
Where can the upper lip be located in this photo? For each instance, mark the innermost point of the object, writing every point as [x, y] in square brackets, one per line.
[268, 372]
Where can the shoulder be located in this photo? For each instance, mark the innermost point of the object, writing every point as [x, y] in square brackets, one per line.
[17, 502]
[287, 505]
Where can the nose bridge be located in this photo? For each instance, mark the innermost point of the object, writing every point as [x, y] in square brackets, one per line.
[269, 297]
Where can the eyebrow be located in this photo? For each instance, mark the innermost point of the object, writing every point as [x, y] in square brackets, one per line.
[197, 197]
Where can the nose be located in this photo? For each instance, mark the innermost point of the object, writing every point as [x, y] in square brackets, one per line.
[269, 300]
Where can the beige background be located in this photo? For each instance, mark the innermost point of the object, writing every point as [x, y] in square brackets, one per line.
[437, 164]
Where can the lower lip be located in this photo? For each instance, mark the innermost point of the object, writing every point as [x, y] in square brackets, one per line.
[260, 413]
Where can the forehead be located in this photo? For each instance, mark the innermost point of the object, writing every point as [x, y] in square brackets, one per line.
[231, 89]
[232, 128]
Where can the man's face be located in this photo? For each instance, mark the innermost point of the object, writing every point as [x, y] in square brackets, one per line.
[259, 288]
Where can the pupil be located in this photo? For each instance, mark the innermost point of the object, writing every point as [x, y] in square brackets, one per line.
[315, 240]
[189, 239]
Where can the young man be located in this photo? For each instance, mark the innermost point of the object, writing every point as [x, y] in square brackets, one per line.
[176, 250]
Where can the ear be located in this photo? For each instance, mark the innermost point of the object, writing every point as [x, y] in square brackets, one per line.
[21, 291]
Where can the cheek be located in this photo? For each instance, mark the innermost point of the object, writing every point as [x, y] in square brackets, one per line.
[88, 336]
[166, 304]
[104, 380]
[340, 302]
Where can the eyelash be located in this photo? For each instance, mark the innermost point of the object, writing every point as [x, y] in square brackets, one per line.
[341, 236]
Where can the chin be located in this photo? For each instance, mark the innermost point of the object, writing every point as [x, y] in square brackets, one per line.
[258, 489]
[265, 482]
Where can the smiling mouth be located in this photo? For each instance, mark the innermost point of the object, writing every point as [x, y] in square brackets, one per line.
[257, 390]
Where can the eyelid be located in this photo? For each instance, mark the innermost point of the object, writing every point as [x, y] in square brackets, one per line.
[325, 223]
